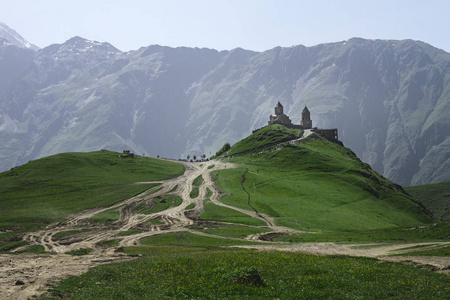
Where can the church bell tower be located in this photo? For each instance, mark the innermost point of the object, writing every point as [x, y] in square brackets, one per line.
[279, 109]
[306, 122]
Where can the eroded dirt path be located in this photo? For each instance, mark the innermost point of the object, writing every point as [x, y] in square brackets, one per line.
[36, 273]
[25, 275]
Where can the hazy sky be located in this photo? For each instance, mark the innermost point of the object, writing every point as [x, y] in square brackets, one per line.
[226, 24]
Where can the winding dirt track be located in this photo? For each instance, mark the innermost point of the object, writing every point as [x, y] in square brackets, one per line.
[38, 272]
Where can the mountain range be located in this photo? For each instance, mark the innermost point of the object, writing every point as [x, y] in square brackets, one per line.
[389, 99]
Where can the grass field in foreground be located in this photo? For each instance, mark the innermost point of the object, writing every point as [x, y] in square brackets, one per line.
[198, 273]
[48, 189]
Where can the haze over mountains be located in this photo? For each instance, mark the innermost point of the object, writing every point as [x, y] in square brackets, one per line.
[390, 100]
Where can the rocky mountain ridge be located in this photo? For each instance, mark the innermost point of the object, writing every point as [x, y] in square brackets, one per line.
[10, 36]
[389, 100]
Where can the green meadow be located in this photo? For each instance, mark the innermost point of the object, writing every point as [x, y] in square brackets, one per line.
[49, 189]
[204, 273]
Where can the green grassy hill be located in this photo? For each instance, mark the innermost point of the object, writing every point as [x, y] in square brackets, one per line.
[264, 137]
[314, 185]
[435, 197]
[48, 189]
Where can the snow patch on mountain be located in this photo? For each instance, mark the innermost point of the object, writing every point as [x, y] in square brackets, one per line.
[80, 47]
[13, 38]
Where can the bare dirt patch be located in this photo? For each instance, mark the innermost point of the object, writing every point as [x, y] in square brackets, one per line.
[39, 272]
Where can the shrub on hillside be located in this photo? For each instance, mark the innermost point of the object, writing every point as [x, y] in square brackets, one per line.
[246, 276]
[224, 149]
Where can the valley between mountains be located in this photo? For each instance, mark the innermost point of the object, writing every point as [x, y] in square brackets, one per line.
[38, 272]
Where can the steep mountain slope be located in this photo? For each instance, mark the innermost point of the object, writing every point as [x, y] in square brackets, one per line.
[389, 99]
[13, 60]
[88, 95]
[315, 184]
[15, 54]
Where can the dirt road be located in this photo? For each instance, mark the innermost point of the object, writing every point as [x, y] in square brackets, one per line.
[25, 275]
[37, 272]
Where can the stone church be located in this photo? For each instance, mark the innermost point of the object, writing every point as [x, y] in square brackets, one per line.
[306, 123]
[280, 118]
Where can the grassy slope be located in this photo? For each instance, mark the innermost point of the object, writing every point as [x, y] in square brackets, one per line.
[266, 136]
[48, 189]
[317, 185]
[435, 197]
